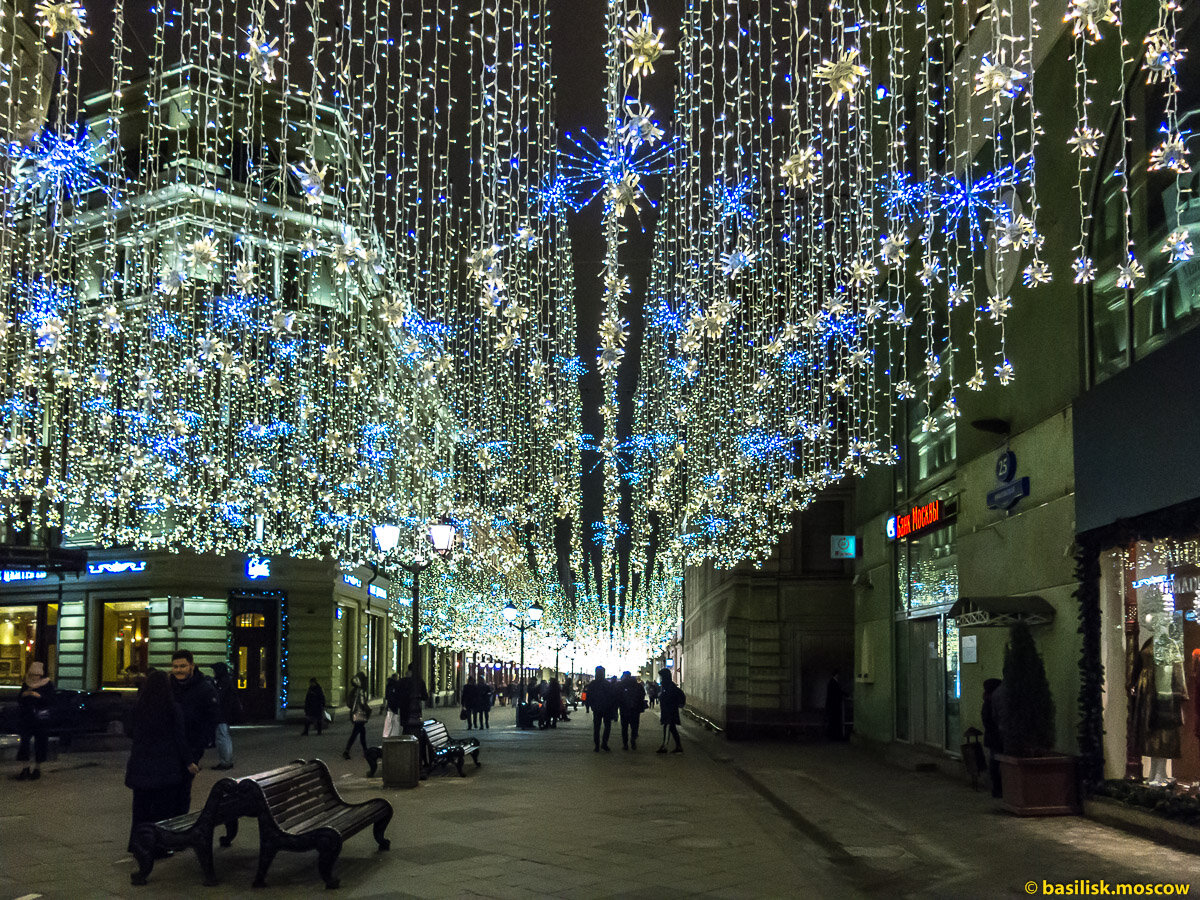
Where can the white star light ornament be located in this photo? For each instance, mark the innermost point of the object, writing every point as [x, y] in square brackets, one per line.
[624, 194]
[202, 252]
[483, 261]
[262, 55]
[998, 79]
[891, 249]
[1170, 154]
[1130, 274]
[842, 75]
[1088, 15]
[1086, 141]
[645, 46]
[244, 274]
[65, 18]
[110, 320]
[348, 254]
[638, 128]
[1085, 270]
[282, 322]
[1161, 56]
[49, 334]
[735, 261]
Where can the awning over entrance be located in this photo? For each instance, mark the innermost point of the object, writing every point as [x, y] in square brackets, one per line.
[989, 612]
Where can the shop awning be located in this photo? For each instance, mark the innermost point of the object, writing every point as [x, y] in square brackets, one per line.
[995, 612]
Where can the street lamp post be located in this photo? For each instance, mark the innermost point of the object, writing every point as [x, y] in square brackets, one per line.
[528, 619]
[441, 536]
[560, 643]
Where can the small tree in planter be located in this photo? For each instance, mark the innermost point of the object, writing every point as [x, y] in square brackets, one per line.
[1027, 715]
[1036, 781]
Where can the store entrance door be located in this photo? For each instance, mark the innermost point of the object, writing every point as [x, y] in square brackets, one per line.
[255, 618]
[926, 683]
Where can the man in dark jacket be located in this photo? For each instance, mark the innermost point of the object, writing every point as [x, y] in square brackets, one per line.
[197, 698]
[604, 700]
[633, 702]
[410, 694]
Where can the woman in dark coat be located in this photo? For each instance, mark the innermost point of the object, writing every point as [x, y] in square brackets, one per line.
[470, 700]
[670, 699]
[360, 711]
[34, 703]
[552, 708]
[159, 757]
[314, 707]
[483, 703]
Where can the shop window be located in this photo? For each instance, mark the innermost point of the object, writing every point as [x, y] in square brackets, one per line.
[928, 571]
[19, 641]
[250, 620]
[125, 642]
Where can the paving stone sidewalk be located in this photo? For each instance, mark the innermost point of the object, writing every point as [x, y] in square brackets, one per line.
[547, 817]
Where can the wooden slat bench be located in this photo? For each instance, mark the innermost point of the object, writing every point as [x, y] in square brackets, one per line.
[300, 809]
[445, 750]
[224, 806]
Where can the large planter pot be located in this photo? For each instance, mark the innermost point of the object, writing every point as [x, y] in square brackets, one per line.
[1039, 785]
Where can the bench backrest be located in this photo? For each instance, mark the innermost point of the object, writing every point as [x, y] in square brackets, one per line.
[436, 731]
[224, 802]
[294, 794]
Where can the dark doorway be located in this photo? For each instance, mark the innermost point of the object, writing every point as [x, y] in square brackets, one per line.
[254, 620]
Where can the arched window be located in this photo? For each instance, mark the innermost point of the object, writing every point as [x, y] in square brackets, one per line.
[1126, 325]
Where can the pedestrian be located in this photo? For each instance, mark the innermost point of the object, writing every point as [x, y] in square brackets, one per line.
[159, 757]
[671, 700]
[553, 705]
[197, 698]
[603, 701]
[314, 707]
[652, 694]
[483, 702]
[470, 701]
[412, 694]
[33, 704]
[360, 711]
[228, 712]
[633, 703]
[993, 741]
[514, 693]
[393, 722]
[835, 708]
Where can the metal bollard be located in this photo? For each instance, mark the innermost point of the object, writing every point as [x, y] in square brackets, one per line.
[401, 768]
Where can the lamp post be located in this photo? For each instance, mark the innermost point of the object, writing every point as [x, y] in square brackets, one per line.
[560, 643]
[522, 621]
[441, 537]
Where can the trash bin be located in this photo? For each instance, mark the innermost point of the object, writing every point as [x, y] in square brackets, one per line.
[400, 761]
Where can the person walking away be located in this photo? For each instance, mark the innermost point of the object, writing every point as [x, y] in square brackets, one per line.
[314, 707]
[412, 694]
[228, 712]
[670, 700]
[603, 701]
[633, 702]
[197, 698]
[835, 708]
[652, 694]
[483, 697]
[470, 701]
[33, 705]
[159, 758]
[360, 711]
[992, 739]
[393, 722]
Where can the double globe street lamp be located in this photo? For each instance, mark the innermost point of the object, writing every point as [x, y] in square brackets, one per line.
[441, 538]
[522, 621]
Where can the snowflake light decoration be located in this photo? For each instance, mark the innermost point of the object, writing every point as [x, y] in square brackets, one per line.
[1130, 274]
[735, 261]
[349, 253]
[802, 168]
[202, 253]
[624, 194]
[638, 127]
[1161, 56]
[54, 165]
[262, 56]
[1088, 16]
[244, 274]
[1178, 245]
[1170, 154]
[482, 262]
[1085, 270]
[312, 181]
[66, 18]
[842, 75]
[1036, 273]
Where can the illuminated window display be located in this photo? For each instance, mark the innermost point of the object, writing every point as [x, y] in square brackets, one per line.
[19, 638]
[125, 642]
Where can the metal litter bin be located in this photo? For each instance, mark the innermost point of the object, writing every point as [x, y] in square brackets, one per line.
[401, 768]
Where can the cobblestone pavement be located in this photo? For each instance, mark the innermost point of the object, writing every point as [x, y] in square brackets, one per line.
[547, 817]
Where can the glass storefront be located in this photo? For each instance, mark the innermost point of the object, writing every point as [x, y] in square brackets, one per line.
[125, 642]
[1150, 598]
[19, 641]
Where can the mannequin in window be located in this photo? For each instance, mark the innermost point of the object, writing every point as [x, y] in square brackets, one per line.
[1158, 690]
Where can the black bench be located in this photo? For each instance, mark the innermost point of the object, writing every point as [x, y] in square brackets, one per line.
[444, 750]
[300, 809]
[194, 829]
